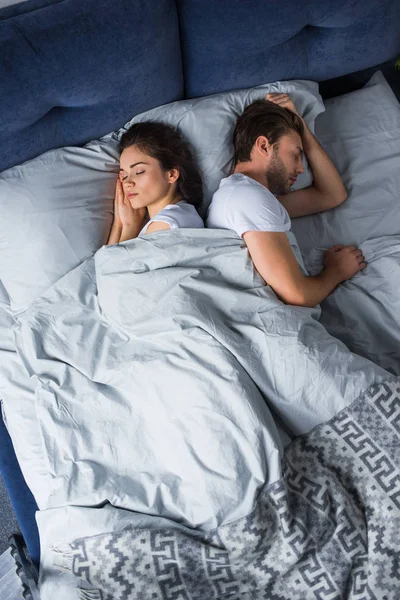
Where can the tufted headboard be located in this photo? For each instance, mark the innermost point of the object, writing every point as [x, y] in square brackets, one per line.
[74, 70]
[230, 44]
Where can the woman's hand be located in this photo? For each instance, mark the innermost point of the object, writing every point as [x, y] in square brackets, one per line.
[117, 218]
[283, 100]
[130, 218]
[127, 221]
[127, 216]
[116, 228]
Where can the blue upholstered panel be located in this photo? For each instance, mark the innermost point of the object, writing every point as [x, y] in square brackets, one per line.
[231, 44]
[21, 498]
[71, 71]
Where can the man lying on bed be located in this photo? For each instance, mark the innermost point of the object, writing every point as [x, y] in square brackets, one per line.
[256, 202]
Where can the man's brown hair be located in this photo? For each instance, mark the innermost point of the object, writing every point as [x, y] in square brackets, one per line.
[266, 118]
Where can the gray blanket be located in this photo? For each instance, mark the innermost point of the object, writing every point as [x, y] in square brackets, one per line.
[169, 379]
[328, 529]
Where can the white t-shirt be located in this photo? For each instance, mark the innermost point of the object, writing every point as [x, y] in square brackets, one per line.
[242, 204]
[179, 215]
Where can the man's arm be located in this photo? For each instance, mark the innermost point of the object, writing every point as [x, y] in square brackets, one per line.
[274, 260]
[327, 190]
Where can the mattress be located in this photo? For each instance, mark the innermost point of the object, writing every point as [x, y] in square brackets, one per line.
[263, 374]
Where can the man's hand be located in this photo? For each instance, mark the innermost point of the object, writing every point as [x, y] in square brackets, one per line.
[345, 261]
[283, 100]
[274, 260]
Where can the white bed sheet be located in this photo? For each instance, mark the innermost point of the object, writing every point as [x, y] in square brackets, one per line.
[17, 396]
[361, 133]
[19, 408]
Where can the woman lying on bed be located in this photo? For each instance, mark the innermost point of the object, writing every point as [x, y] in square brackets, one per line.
[159, 184]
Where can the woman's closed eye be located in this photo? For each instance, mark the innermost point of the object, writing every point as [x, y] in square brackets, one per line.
[138, 173]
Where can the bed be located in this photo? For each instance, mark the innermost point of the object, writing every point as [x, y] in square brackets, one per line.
[213, 442]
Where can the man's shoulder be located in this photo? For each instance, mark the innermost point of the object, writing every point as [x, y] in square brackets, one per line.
[246, 188]
[241, 183]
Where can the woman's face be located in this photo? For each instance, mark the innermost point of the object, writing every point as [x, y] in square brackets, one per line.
[143, 180]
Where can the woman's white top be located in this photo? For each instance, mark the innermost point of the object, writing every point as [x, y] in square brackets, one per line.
[242, 204]
[179, 215]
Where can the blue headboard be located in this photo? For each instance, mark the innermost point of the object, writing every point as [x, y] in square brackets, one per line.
[74, 70]
[229, 44]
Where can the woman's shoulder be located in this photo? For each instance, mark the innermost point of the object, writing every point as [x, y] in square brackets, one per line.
[184, 213]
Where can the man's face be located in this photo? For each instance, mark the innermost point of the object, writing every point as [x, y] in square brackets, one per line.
[285, 163]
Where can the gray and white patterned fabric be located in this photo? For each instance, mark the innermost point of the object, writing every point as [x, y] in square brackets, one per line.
[329, 529]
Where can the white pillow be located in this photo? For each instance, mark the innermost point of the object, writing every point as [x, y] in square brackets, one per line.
[208, 123]
[57, 209]
[361, 133]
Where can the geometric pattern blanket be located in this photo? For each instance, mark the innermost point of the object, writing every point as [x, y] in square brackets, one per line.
[329, 529]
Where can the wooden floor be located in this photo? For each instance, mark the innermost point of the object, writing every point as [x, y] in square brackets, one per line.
[10, 585]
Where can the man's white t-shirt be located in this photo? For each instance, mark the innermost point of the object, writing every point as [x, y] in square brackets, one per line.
[179, 215]
[242, 204]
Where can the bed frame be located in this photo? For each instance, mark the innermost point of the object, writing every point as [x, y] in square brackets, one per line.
[201, 49]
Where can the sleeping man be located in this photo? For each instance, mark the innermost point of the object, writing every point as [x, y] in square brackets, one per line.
[255, 201]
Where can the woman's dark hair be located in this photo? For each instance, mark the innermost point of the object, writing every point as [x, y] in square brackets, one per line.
[172, 151]
[262, 117]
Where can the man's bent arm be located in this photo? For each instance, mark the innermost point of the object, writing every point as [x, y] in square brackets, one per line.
[274, 260]
[326, 178]
[327, 190]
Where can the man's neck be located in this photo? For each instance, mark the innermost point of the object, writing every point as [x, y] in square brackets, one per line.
[248, 169]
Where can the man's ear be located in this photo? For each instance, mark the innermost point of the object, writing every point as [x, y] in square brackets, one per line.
[262, 145]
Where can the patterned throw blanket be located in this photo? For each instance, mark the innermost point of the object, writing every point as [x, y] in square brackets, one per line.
[329, 529]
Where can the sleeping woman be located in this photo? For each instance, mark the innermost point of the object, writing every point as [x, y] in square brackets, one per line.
[159, 184]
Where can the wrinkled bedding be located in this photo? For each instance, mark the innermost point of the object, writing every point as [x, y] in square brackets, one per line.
[361, 133]
[168, 382]
[328, 528]
[158, 386]
[365, 312]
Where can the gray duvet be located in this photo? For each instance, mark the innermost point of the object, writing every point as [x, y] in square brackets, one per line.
[327, 530]
[169, 379]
